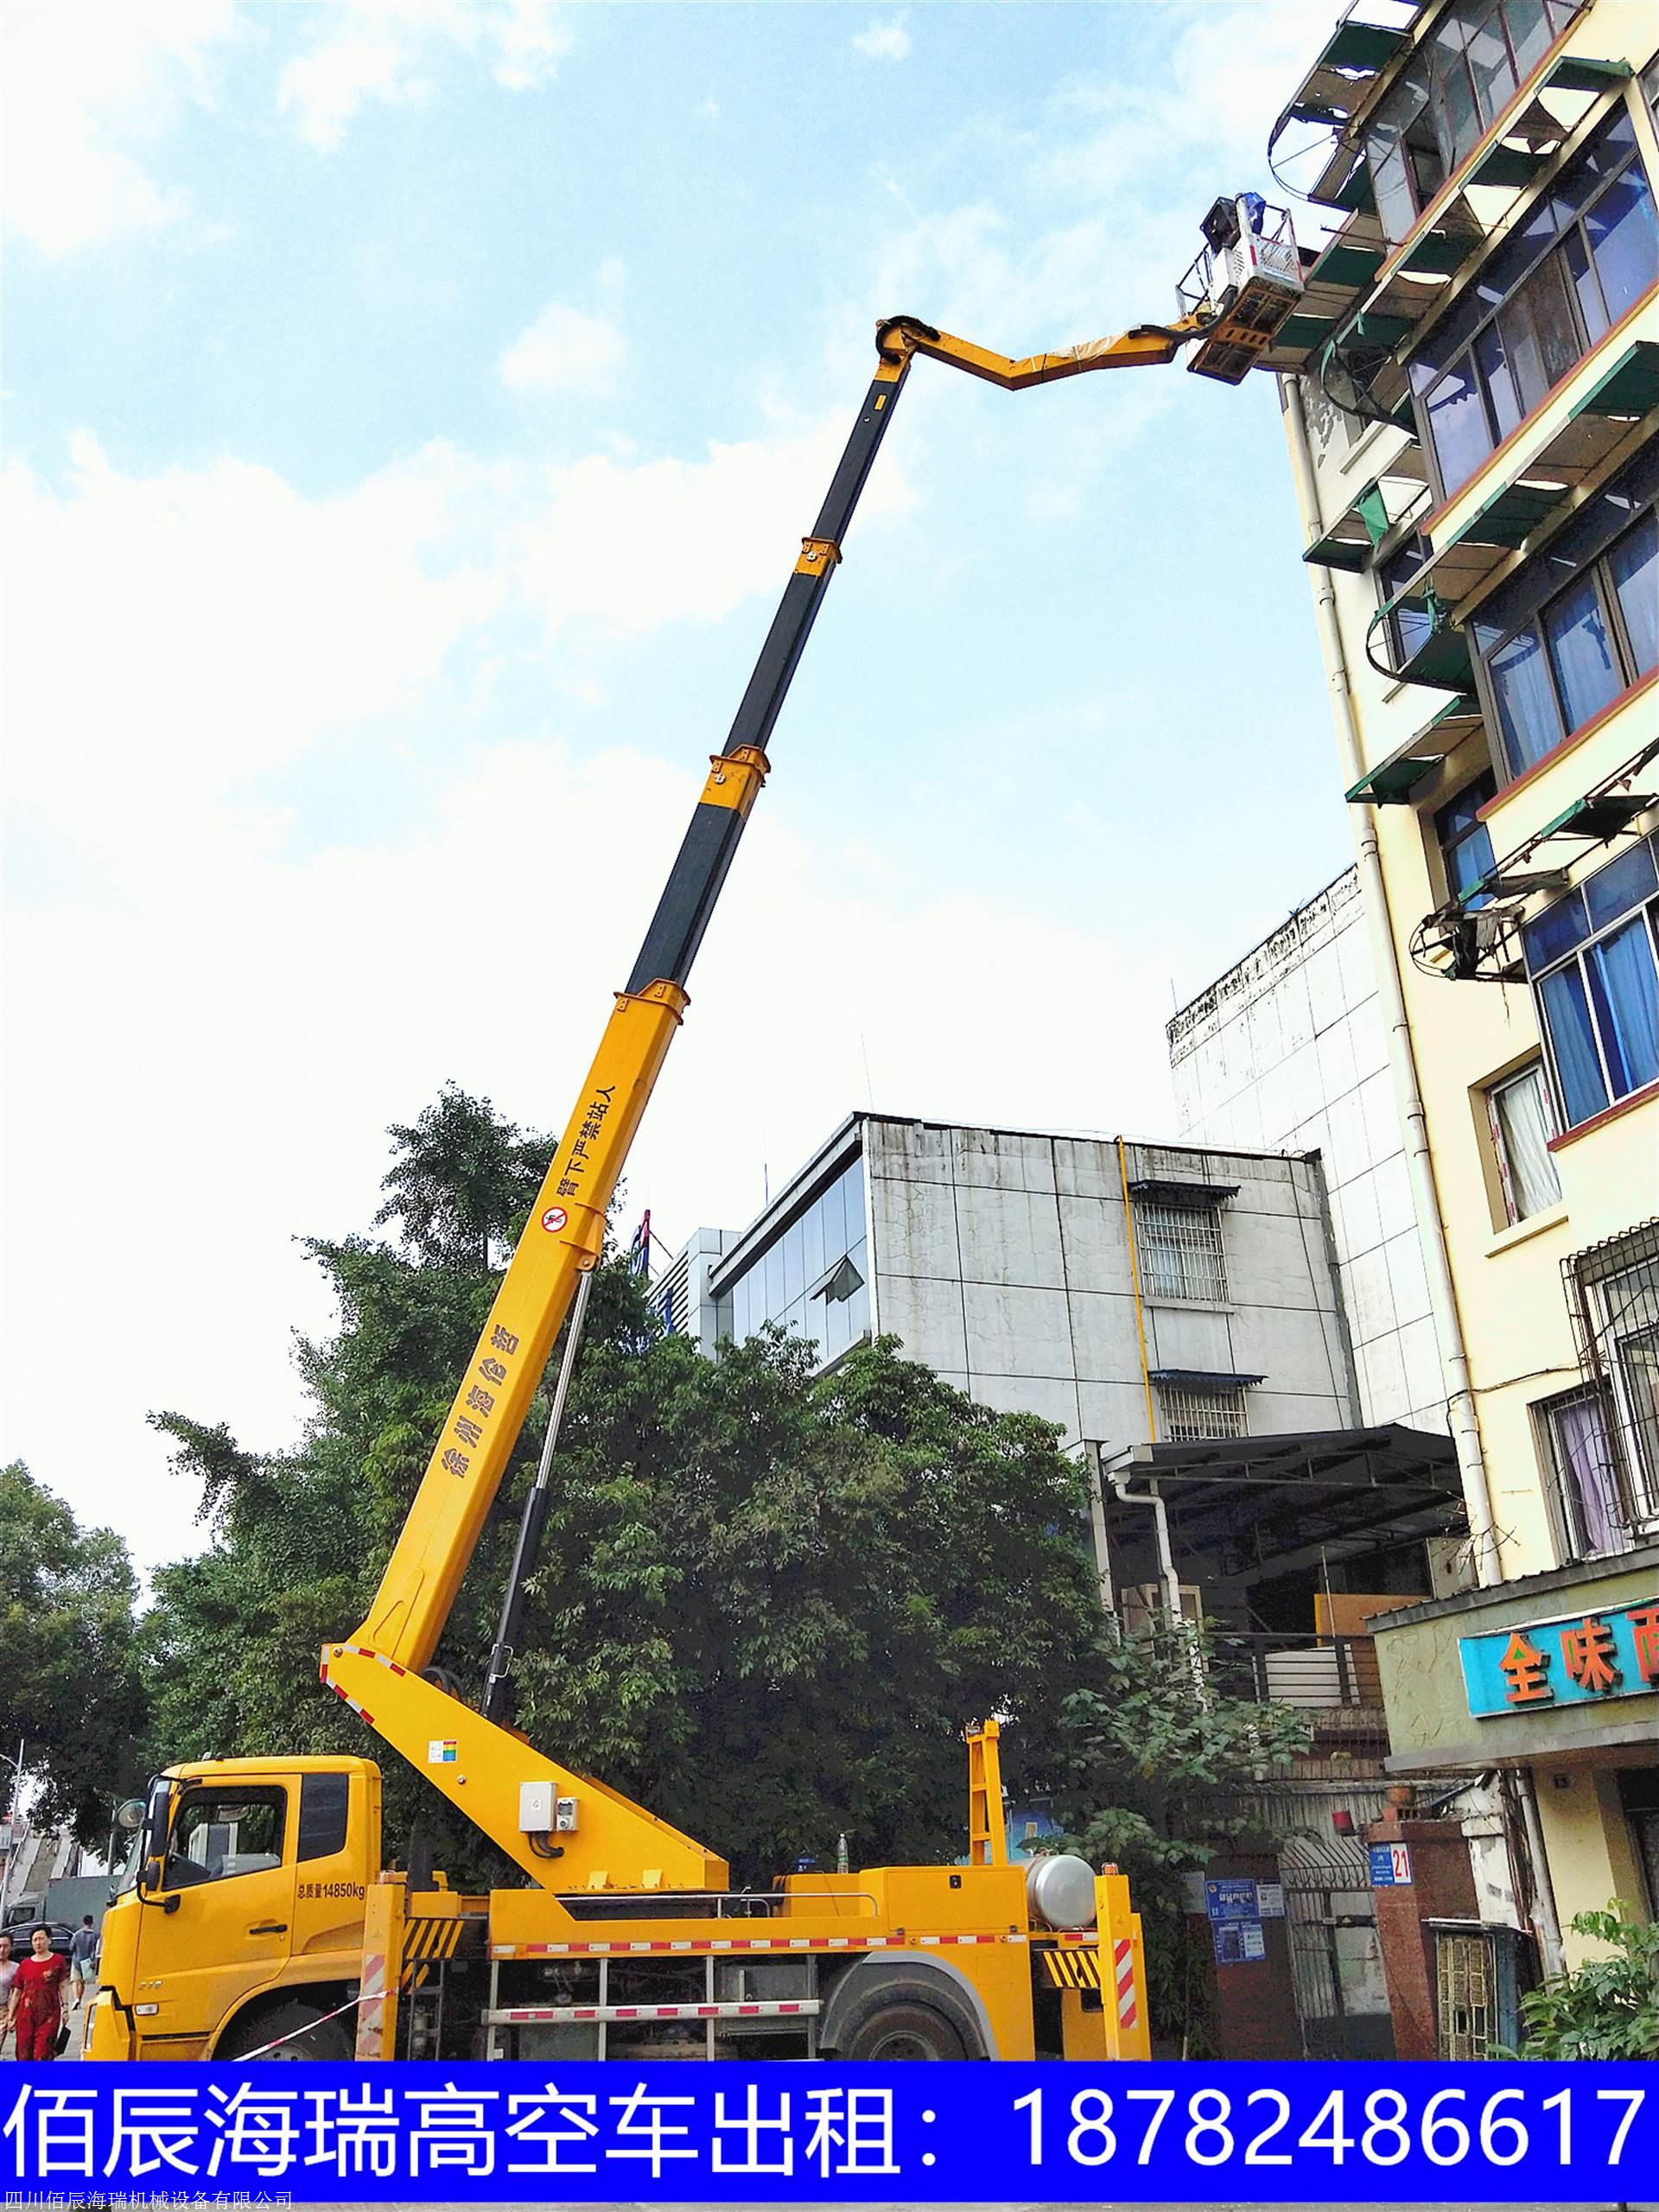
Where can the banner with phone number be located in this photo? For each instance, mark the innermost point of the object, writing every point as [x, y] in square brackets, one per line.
[1320, 2133]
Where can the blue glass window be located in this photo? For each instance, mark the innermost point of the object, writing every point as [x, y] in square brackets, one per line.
[1624, 241]
[1466, 843]
[1587, 675]
[1584, 1088]
[1586, 250]
[1528, 717]
[1625, 994]
[1633, 565]
[1619, 888]
[1558, 931]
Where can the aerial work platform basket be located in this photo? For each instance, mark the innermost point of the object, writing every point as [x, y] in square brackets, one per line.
[1249, 277]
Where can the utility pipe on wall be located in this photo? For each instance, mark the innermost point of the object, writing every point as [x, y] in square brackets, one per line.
[1443, 1299]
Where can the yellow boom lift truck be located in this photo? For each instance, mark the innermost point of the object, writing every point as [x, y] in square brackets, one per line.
[258, 1919]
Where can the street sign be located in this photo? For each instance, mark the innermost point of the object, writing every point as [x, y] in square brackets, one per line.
[1390, 1866]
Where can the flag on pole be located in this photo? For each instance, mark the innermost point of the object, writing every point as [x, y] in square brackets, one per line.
[639, 1250]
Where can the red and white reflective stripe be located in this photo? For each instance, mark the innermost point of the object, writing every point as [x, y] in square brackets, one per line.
[739, 1943]
[362, 1712]
[364, 1652]
[1123, 1968]
[534, 2015]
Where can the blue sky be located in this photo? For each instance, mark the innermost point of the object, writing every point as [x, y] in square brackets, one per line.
[413, 415]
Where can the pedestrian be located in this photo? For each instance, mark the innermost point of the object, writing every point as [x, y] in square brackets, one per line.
[83, 1946]
[7, 1975]
[36, 2012]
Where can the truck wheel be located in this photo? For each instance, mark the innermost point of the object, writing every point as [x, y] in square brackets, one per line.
[903, 2029]
[309, 2036]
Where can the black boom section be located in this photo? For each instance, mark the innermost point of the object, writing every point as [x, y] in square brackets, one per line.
[688, 900]
[688, 897]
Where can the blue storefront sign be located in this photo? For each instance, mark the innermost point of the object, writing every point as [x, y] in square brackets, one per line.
[1579, 1659]
[1390, 1866]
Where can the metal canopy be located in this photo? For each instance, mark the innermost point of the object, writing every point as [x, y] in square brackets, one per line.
[1201, 1378]
[1164, 1190]
[1251, 1508]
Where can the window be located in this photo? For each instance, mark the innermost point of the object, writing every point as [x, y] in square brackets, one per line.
[1190, 1415]
[1410, 627]
[1613, 1291]
[1518, 1110]
[1584, 1485]
[1584, 640]
[1585, 254]
[1456, 85]
[325, 1802]
[1181, 1252]
[220, 1833]
[1465, 841]
[1592, 959]
[822, 1250]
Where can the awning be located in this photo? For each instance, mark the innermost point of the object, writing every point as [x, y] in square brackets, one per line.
[1351, 540]
[1201, 1378]
[1392, 782]
[1164, 1190]
[1248, 1509]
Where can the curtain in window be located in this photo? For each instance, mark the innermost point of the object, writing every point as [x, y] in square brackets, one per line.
[1584, 1461]
[1528, 715]
[1583, 1087]
[1627, 1005]
[1639, 1367]
[1581, 653]
[1634, 563]
[1624, 240]
[1458, 426]
[1523, 1119]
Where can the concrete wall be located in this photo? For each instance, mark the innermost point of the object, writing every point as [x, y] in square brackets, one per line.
[1002, 1258]
[1286, 1051]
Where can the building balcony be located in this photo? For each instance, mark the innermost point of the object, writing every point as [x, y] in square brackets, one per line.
[1334, 1677]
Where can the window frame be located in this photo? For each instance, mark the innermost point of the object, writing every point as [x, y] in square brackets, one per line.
[1533, 1071]
[1153, 1214]
[1463, 362]
[1598, 569]
[1175, 1429]
[1645, 911]
[223, 1793]
[1486, 784]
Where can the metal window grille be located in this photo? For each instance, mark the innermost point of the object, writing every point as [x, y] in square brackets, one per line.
[1181, 1252]
[1190, 1416]
[1466, 1987]
[1612, 1292]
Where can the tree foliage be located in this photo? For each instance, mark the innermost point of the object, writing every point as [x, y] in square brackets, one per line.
[768, 1602]
[69, 1684]
[1609, 2007]
[1153, 1760]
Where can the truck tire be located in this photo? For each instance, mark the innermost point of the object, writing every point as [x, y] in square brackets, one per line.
[310, 2035]
[902, 2027]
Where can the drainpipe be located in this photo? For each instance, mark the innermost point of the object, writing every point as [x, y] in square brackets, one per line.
[1122, 1491]
[1448, 1327]
[1545, 1918]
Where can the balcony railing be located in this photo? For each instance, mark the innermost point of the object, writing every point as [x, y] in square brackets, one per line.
[1318, 1673]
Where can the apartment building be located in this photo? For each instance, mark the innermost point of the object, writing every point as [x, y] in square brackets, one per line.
[1288, 1050]
[1470, 395]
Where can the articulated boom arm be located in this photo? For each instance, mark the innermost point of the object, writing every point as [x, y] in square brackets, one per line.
[378, 1669]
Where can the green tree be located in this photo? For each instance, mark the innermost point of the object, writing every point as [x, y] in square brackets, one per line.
[767, 1602]
[1609, 2007]
[1152, 1764]
[70, 1687]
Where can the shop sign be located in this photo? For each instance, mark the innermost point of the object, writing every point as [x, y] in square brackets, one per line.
[1582, 1659]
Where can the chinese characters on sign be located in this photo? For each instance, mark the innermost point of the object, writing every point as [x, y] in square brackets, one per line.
[1582, 1659]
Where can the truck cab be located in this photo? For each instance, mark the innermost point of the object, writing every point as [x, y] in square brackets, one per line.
[240, 1918]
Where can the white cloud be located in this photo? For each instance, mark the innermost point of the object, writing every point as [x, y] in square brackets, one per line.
[85, 89]
[375, 49]
[884, 41]
[721, 529]
[564, 350]
[215, 1025]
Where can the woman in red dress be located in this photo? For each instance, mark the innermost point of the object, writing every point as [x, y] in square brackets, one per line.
[36, 2010]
